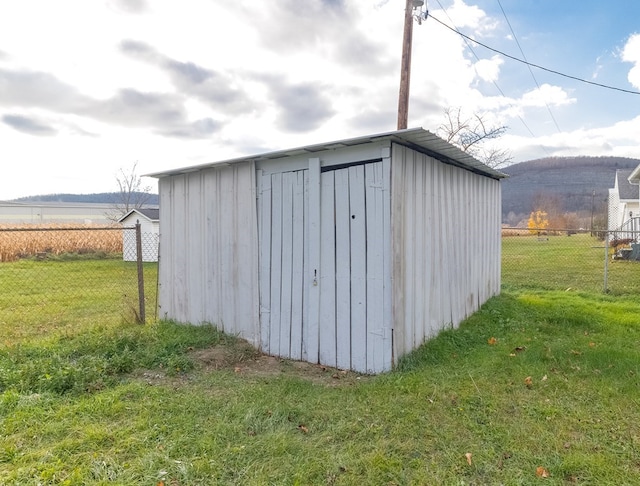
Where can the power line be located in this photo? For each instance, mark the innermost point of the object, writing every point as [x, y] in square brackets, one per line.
[532, 64]
[528, 66]
[524, 123]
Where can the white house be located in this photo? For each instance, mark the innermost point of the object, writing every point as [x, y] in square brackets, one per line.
[349, 253]
[624, 200]
[150, 233]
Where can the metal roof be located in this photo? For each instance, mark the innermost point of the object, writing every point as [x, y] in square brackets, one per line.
[418, 139]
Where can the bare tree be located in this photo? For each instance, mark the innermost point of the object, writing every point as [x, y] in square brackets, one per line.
[131, 194]
[473, 135]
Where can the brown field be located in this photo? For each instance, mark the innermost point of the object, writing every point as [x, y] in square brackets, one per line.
[26, 240]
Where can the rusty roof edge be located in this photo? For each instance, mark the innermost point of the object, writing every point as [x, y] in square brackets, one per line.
[409, 137]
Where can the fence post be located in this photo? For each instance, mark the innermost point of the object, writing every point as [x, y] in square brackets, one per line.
[141, 305]
[606, 262]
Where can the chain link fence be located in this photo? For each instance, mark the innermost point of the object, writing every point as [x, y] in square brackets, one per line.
[586, 261]
[58, 276]
[64, 276]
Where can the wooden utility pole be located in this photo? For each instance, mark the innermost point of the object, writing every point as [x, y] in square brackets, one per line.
[405, 69]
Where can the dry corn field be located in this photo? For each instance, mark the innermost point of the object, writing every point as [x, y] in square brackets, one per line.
[23, 241]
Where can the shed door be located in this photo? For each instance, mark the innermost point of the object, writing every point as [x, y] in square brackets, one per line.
[284, 279]
[353, 331]
[328, 309]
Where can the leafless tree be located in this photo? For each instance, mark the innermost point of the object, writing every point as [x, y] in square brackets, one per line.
[473, 134]
[131, 194]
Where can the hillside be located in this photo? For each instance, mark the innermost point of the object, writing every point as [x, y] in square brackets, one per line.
[96, 198]
[573, 181]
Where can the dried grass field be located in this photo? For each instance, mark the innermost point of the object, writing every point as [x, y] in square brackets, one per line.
[23, 241]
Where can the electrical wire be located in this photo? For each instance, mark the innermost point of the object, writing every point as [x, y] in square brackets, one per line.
[553, 118]
[466, 40]
[532, 64]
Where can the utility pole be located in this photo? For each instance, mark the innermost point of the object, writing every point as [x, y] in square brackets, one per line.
[405, 68]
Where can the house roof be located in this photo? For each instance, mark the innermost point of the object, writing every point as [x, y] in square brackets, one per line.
[625, 189]
[152, 214]
[634, 176]
[418, 139]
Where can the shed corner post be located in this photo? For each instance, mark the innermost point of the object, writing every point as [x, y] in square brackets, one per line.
[313, 339]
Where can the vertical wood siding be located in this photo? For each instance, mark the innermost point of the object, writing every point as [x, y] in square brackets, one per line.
[324, 285]
[446, 245]
[208, 241]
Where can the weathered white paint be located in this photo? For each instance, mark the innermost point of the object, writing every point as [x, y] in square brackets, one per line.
[352, 255]
[209, 249]
[150, 233]
[344, 266]
[446, 245]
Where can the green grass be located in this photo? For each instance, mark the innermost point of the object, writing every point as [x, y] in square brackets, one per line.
[54, 296]
[561, 262]
[129, 404]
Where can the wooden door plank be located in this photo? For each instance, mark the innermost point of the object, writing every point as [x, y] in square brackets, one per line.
[378, 331]
[358, 242]
[343, 270]
[327, 272]
[311, 338]
[284, 341]
[297, 273]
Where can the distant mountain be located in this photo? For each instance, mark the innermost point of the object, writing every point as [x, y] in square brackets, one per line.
[98, 198]
[576, 182]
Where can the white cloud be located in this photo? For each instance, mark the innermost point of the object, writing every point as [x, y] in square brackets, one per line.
[546, 95]
[631, 53]
[489, 69]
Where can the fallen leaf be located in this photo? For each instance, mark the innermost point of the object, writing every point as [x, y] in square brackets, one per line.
[542, 472]
[512, 354]
[492, 341]
[160, 483]
[303, 429]
[468, 456]
[577, 353]
[518, 349]
[528, 381]
[237, 369]
[592, 344]
[544, 378]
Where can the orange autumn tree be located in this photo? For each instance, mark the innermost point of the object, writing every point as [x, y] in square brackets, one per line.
[538, 221]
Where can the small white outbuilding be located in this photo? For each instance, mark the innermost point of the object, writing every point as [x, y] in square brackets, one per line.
[149, 219]
[348, 254]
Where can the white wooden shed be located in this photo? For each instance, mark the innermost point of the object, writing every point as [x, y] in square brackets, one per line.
[149, 219]
[349, 253]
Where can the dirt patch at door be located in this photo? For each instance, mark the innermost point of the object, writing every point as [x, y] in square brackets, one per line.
[242, 358]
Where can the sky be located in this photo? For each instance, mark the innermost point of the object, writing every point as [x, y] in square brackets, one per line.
[89, 88]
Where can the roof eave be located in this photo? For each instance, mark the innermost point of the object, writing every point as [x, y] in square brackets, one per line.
[417, 138]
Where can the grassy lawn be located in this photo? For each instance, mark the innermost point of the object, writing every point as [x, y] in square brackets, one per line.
[561, 262]
[540, 386]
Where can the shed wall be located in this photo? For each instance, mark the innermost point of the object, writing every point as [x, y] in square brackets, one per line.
[445, 245]
[208, 240]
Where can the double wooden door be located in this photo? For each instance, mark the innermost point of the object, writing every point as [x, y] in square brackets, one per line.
[324, 262]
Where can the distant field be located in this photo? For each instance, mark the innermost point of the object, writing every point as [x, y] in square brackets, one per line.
[56, 239]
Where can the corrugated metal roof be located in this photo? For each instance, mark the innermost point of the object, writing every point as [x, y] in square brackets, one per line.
[418, 139]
